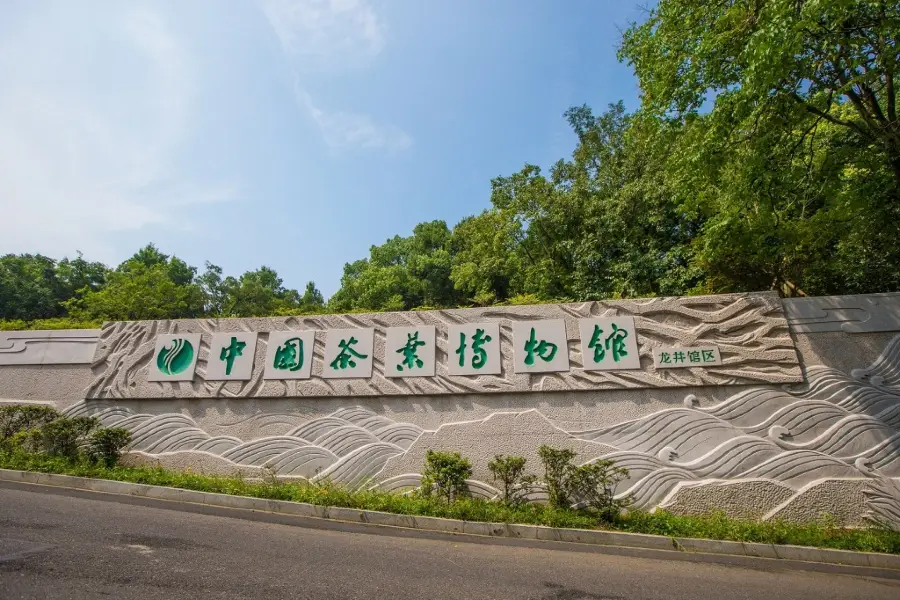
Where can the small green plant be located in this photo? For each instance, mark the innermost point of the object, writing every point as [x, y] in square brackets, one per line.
[64, 436]
[15, 418]
[557, 470]
[595, 485]
[106, 445]
[510, 472]
[445, 475]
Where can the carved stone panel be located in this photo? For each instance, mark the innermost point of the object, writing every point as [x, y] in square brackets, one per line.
[749, 331]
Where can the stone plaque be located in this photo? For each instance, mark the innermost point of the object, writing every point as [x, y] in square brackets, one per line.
[540, 346]
[609, 344]
[348, 353]
[409, 352]
[289, 354]
[174, 357]
[231, 356]
[474, 349]
[679, 358]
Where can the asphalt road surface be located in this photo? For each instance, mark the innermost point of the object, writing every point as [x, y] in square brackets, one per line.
[54, 545]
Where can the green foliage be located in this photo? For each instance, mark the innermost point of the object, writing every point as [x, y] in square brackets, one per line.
[63, 437]
[149, 285]
[15, 418]
[401, 274]
[37, 292]
[595, 485]
[36, 287]
[510, 472]
[445, 475]
[105, 445]
[45, 324]
[557, 471]
[715, 526]
[795, 166]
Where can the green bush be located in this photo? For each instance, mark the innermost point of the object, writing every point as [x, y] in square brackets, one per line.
[64, 436]
[510, 472]
[43, 324]
[557, 470]
[595, 485]
[445, 475]
[15, 418]
[106, 445]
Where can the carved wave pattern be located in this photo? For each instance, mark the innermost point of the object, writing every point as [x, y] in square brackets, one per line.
[349, 447]
[833, 427]
[750, 331]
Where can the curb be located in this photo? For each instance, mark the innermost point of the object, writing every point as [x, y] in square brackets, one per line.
[436, 524]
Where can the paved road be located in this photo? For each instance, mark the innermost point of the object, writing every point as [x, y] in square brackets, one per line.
[59, 546]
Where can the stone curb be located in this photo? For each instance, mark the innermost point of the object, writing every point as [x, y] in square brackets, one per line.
[532, 532]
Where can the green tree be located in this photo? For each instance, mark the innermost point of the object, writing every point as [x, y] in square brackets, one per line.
[28, 287]
[401, 274]
[259, 293]
[79, 276]
[149, 285]
[763, 54]
[139, 293]
[312, 299]
[794, 168]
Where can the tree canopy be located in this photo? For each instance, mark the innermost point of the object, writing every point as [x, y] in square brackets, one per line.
[149, 285]
[765, 155]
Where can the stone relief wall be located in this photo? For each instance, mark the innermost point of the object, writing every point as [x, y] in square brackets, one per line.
[830, 445]
[64, 347]
[850, 314]
[778, 447]
[749, 330]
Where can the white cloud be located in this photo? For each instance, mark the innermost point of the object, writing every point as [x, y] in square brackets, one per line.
[333, 35]
[93, 107]
[319, 34]
[347, 130]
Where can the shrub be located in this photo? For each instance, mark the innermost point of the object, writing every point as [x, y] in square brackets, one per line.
[595, 485]
[445, 474]
[64, 436]
[15, 418]
[106, 445]
[557, 470]
[510, 471]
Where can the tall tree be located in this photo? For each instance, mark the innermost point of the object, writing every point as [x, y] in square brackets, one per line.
[794, 163]
[402, 273]
[28, 287]
[149, 285]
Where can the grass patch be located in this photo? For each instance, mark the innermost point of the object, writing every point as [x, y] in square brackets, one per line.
[718, 527]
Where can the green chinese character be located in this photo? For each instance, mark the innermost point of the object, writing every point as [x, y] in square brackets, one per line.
[678, 356]
[665, 357]
[614, 341]
[599, 350]
[345, 358]
[410, 358]
[289, 356]
[479, 358]
[694, 356]
[230, 352]
[709, 356]
[544, 349]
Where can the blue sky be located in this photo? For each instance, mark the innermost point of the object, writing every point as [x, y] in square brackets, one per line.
[290, 133]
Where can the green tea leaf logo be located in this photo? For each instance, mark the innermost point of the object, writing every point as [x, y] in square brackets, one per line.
[174, 359]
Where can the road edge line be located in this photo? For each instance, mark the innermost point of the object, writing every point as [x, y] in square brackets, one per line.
[441, 525]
